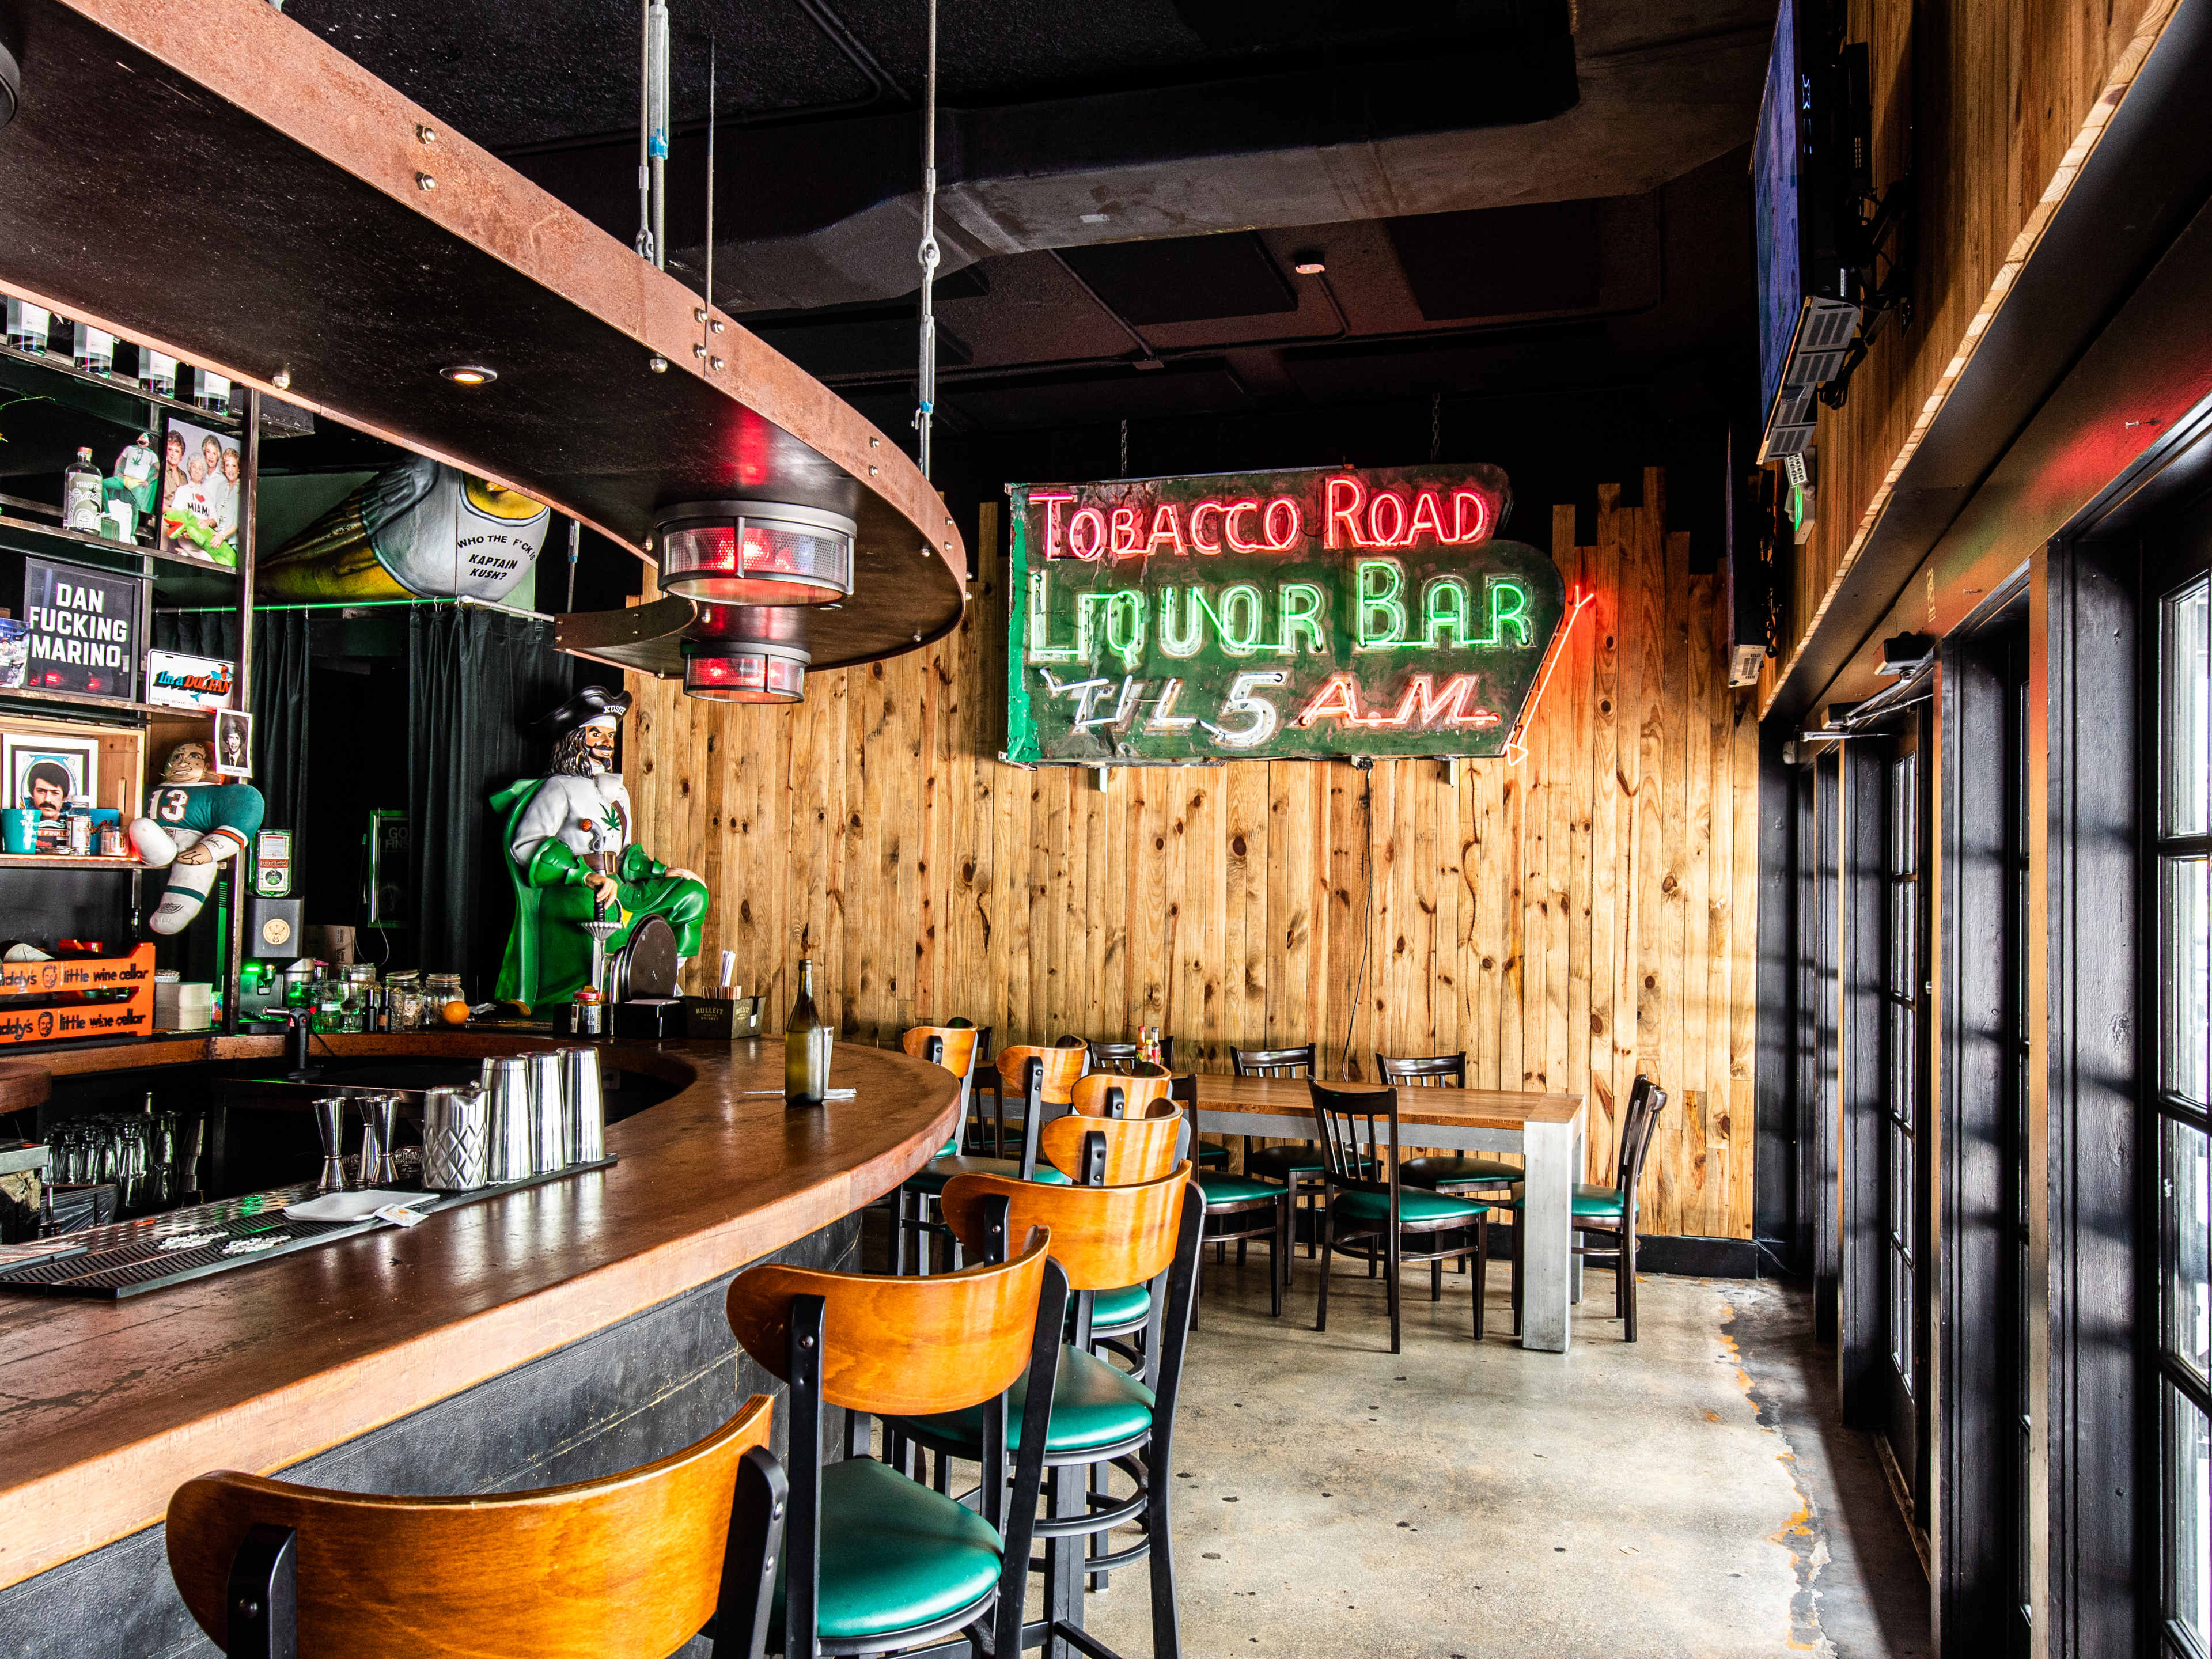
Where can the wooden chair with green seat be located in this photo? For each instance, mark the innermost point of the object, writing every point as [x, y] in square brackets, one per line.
[1369, 1207]
[1609, 1213]
[1240, 1208]
[1101, 1415]
[952, 1047]
[630, 1566]
[1450, 1173]
[1142, 1135]
[1122, 1057]
[1046, 1078]
[1061, 1066]
[874, 1561]
[1298, 1169]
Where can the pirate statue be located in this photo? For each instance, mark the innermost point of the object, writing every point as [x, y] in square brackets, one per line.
[572, 859]
[194, 820]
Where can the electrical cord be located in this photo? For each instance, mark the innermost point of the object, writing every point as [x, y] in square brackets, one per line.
[1364, 764]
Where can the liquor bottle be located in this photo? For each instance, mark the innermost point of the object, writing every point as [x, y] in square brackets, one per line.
[806, 1038]
[82, 493]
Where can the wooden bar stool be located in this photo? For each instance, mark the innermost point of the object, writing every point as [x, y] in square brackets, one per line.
[1136, 1140]
[631, 1566]
[1240, 1208]
[1046, 1078]
[1608, 1214]
[1101, 1416]
[1461, 1177]
[1369, 1207]
[1298, 1169]
[954, 1048]
[1061, 1067]
[873, 1560]
[1122, 1057]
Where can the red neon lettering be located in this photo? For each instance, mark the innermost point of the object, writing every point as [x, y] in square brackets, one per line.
[1517, 741]
[1396, 535]
[1053, 499]
[1249, 504]
[1462, 532]
[1427, 511]
[1196, 514]
[1124, 538]
[1339, 697]
[1340, 500]
[1289, 538]
[1423, 704]
[1167, 527]
[1086, 518]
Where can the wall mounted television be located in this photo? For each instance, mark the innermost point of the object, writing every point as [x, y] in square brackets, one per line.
[1808, 164]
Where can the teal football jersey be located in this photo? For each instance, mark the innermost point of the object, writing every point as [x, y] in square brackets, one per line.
[205, 806]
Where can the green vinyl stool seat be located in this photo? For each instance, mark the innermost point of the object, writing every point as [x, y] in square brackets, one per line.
[1210, 1155]
[933, 1176]
[1222, 1187]
[1094, 1405]
[1414, 1205]
[895, 1554]
[1592, 1203]
[1121, 1310]
[1458, 1172]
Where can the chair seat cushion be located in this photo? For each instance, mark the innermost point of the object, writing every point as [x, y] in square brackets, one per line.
[1117, 1310]
[1209, 1153]
[1093, 1404]
[1222, 1187]
[894, 1553]
[933, 1176]
[1592, 1203]
[1281, 1162]
[1447, 1171]
[1414, 1204]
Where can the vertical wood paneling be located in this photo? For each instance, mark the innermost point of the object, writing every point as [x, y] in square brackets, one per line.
[1568, 921]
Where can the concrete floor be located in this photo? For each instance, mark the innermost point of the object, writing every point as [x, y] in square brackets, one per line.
[1691, 1494]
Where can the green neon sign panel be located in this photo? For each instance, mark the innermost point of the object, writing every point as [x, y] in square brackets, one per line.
[1273, 616]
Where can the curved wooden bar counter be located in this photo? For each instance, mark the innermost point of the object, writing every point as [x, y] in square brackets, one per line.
[105, 1408]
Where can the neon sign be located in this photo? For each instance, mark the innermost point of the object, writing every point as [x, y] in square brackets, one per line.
[1331, 611]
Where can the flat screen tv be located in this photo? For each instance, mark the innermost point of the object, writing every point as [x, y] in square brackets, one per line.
[1806, 313]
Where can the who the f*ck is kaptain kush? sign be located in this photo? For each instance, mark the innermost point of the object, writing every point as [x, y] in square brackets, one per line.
[1273, 616]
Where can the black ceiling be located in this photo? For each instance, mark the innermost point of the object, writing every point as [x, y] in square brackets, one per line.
[1510, 196]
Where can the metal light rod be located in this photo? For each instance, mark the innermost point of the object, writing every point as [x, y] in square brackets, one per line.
[926, 405]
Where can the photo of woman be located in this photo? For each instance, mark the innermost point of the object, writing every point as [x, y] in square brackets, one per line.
[201, 493]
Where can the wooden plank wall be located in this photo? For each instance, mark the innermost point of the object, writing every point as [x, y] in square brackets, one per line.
[1569, 921]
[1993, 104]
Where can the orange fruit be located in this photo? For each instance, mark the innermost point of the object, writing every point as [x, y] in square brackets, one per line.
[455, 1012]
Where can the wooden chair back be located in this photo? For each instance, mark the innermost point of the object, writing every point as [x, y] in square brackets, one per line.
[629, 1565]
[1103, 1237]
[900, 1347]
[1646, 1100]
[1353, 1128]
[1061, 1067]
[1302, 1062]
[952, 1047]
[1134, 1150]
[1432, 1071]
[1113, 1094]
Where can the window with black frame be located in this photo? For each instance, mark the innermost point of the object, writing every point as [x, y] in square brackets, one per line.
[2182, 895]
[1903, 1024]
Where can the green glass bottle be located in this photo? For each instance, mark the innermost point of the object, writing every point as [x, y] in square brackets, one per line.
[805, 1046]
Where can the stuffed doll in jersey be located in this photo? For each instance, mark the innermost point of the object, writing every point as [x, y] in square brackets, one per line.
[571, 858]
[193, 821]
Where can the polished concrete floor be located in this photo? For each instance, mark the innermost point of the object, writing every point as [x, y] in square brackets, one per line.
[1689, 1494]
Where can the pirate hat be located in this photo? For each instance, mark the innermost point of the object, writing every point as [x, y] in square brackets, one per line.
[592, 705]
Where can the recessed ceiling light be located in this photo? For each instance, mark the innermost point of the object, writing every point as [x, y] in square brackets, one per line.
[1310, 267]
[470, 375]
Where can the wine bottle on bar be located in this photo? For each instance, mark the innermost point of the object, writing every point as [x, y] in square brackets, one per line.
[805, 1046]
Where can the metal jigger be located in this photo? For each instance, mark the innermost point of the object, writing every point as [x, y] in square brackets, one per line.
[378, 1166]
[329, 1123]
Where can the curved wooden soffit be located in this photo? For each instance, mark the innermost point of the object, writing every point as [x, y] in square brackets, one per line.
[211, 178]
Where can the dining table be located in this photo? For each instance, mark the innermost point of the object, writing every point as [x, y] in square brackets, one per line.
[1546, 1130]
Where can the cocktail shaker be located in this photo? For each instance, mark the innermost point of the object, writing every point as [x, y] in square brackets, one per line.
[511, 1122]
[456, 1139]
[548, 1094]
[587, 1114]
[330, 1124]
[378, 1166]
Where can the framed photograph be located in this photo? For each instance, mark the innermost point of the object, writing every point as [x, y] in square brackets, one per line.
[233, 744]
[43, 770]
[204, 492]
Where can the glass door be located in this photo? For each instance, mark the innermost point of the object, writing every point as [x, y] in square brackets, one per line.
[2181, 897]
[1903, 1392]
[2018, 1405]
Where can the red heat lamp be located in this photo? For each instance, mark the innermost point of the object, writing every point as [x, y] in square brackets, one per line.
[755, 553]
[741, 653]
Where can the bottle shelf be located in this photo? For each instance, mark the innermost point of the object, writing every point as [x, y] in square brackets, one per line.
[81, 700]
[54, 534]
[15, 364]
[66, 861]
